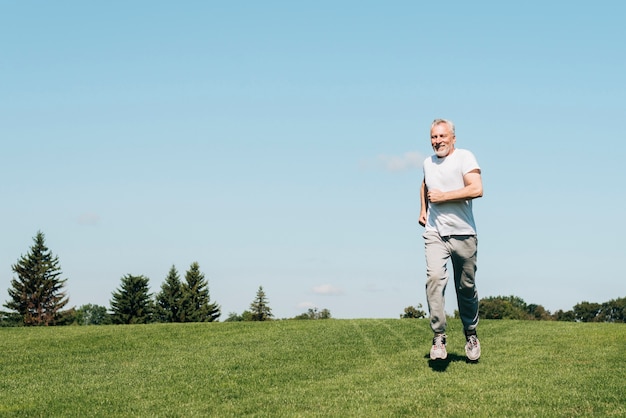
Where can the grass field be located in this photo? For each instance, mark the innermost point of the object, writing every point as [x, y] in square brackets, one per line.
[340, 368]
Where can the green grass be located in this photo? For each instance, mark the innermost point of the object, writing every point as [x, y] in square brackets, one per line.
[338, 368]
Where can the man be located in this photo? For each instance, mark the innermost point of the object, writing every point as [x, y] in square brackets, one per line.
[452, 178]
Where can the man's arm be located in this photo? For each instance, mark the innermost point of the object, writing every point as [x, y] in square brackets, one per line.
[423, 203]
[473, 188]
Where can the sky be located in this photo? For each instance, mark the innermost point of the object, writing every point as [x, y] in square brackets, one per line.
[280, 144]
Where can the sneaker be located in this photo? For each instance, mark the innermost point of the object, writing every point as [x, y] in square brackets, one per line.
[438, 350]
[472, 348]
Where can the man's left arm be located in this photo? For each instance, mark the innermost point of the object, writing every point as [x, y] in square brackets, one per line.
[472, 189]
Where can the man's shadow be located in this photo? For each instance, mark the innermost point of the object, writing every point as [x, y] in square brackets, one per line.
[441, 365]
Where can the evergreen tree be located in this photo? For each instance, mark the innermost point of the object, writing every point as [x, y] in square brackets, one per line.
[36, 294]
[131, 303]
[197, 306]
[169, 301]
[260, 307]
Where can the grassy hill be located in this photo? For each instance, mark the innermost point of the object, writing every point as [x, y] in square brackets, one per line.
[339, 368]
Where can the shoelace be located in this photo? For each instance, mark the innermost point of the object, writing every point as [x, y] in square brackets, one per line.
[439, 341]
[473, 341]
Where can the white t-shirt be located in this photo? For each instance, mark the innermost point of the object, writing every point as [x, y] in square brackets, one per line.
[445, 174]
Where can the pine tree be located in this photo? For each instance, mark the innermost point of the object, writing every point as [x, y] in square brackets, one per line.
[169, 301]
[197, 306]
[36, 294]
[260, 307]
[132, 303]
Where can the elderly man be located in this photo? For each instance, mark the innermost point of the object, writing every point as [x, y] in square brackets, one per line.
[452, 179]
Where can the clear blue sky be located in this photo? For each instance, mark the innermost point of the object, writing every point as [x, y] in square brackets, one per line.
[279, 144]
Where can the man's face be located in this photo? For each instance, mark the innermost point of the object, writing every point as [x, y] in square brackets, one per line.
[442, 140]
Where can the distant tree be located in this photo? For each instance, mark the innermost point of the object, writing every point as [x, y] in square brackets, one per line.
[197, 306]
[324, 314]
[36, 294]
[247, 316]
[313, 313]
[413, 312]
[614, 310]
[587, 312]
[503, 307]
[169, 301]
[562, 315]
[10, 319]
[304, 316]
[132, 303]
[611, 311]
[494, 308]
[260, 308]
[234, 317]
[67, 317]
[92, 315]
[516, 302]
[538, 312]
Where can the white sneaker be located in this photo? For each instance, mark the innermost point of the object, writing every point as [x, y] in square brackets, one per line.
[438, 350]
[472, 348]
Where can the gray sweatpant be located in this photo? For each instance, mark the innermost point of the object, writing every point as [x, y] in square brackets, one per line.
[462, 251]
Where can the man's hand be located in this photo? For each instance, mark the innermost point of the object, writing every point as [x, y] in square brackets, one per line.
[436, 196]
[473, 188]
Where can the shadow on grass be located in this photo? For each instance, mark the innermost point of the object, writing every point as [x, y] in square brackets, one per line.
[442, 365]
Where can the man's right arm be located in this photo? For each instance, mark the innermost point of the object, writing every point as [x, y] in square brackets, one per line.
[423, 203]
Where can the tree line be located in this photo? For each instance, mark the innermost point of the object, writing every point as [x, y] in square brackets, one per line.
[36, 297]
[514, 307]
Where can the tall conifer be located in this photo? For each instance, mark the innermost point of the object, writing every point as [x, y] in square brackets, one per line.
[169, 301]
[132, 303]
[197, 306]
[260, 307]
[37, 293]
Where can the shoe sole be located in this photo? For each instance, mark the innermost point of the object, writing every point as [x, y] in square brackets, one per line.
[439, 357]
